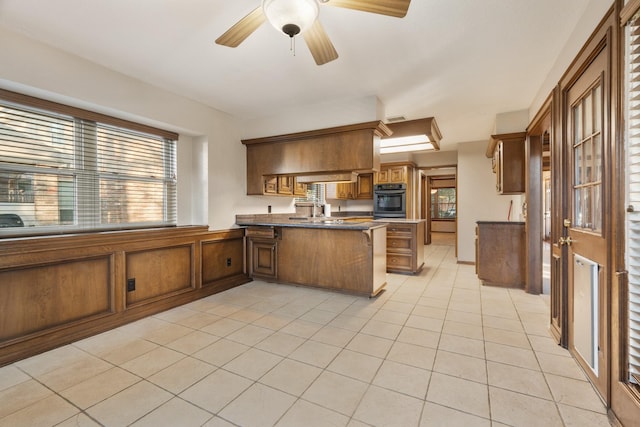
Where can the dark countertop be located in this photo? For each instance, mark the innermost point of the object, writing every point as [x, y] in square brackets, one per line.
[293, 220]
[401, 220]
[501, 222]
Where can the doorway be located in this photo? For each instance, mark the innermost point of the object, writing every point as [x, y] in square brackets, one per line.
[442, 205]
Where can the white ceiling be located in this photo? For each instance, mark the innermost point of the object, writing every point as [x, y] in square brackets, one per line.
[460, 61]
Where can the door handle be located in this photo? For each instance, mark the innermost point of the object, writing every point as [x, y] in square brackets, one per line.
[565, 241]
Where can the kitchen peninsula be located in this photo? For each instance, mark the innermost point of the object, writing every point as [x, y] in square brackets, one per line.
[322, 252]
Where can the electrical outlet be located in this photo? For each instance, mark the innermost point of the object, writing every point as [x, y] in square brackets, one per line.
[131, 285]
[228, 262]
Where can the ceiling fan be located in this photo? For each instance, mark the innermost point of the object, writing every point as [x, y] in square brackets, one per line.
[294, 17]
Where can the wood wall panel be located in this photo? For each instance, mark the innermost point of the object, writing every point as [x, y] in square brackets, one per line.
[59, 289]
[215, 255]
[159, 272]
[42, 296]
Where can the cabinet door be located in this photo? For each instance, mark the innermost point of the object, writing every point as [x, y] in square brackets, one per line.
[270, 185]
[497, 161]
[509, 164]
[344, 191]
[299, 189]
[383, 176]
[397, 174]
[512, 167]
[364, 187]
[263, 258]
[285, 185]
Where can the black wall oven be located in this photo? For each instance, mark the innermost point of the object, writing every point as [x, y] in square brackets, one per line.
[390, 201]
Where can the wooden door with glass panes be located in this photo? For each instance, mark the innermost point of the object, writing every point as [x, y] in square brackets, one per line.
[585, 227]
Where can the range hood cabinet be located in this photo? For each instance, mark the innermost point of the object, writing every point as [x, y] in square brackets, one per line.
[327, 178]
[324, 155]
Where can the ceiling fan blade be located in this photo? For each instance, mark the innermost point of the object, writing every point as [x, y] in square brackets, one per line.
[242, 29]
[396, 8]
[319, 44]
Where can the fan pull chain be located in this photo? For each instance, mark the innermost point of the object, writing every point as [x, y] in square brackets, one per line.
[292, 46]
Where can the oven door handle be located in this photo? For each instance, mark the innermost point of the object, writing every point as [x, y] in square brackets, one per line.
[390, 192]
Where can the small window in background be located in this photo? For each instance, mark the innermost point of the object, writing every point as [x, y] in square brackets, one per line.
[443, 203]
[315, 194]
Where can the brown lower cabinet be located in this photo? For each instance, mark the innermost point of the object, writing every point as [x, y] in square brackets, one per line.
[405, 246]
[262, 252]
[500, 253]
[346, 259]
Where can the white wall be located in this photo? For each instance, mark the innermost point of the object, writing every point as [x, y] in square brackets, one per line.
[477, 197]
[435, 158]
[319, 116]
[511, 122]
[593, 14]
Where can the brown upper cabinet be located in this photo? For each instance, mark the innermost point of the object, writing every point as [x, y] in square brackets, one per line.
[283, 186]
[507, 154]
[299, 188]
[343, 149]
[395, 173]
[392, 174]
[362, 189]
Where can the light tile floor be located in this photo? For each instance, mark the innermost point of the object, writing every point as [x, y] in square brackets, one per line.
[436, 349]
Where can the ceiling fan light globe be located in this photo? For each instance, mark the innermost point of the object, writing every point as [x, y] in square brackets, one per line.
[301, 13]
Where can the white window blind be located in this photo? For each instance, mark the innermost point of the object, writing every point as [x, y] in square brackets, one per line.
[315, 194]
[633, 194]
[64, 173]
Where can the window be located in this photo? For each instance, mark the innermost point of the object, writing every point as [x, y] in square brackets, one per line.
[443, 203]
[443, 197]
[587, 154]
[67, 170]
[632, 148]
[315, 194]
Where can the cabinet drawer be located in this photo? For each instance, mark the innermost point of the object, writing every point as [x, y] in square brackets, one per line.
[264, 232]
[398, 262]
[399, 229]
[398, 243]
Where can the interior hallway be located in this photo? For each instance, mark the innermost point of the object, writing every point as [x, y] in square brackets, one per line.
[437, 349]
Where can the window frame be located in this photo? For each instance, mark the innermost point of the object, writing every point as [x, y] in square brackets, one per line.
[82, 120]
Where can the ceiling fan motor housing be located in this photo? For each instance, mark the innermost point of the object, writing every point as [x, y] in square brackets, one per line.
[291, 16]
[291, 29]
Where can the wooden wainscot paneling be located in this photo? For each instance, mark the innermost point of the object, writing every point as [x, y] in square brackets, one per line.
[42, 296]
[59, 289]
[349, 148]
[222, 257]
[159, 272]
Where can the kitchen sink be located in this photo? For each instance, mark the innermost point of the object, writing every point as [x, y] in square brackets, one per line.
[311, 219]
[326, 221]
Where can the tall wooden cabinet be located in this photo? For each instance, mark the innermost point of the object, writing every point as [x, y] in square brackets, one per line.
[400, 172]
